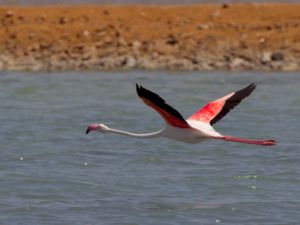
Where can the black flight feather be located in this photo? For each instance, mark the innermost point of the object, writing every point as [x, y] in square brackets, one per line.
[157, 100]
[233, 101]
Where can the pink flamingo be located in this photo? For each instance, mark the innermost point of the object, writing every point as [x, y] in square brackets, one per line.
[195, 129]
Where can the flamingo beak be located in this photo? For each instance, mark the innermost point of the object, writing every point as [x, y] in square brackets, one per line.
[91, 128]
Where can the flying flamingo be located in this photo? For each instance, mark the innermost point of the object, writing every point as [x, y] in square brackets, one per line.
[195, 129]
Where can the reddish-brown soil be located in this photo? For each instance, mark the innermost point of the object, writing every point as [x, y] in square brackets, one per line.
[204, 36]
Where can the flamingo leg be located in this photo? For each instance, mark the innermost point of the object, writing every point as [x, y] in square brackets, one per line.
[249, 141]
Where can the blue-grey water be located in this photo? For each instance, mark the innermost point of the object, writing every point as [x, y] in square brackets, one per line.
[52, 173]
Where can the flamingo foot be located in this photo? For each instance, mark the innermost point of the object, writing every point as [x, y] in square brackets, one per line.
[269, 142]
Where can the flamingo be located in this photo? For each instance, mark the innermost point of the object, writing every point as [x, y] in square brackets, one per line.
[196, 128]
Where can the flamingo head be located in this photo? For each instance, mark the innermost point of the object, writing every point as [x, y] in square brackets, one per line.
[97, 127]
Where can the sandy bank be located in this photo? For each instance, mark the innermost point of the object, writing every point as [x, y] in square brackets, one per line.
[192, 37]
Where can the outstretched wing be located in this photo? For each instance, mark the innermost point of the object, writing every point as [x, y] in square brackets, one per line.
[216, 110]
[169, 114]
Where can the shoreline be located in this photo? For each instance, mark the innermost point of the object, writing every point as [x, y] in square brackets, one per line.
[261, 37]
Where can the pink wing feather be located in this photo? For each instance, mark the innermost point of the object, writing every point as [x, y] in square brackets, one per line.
[216, 110]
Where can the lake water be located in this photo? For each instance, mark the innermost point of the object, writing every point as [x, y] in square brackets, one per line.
[52, 173]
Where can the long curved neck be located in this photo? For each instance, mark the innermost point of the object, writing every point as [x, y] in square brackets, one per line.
[146, 135]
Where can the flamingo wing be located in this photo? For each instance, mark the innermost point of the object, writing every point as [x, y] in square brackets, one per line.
[216, 110]
[169, 114]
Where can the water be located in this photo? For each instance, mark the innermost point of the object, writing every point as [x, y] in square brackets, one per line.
[52, 173]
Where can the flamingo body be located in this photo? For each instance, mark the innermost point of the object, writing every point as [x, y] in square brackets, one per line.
[189, 135]
[195, 129]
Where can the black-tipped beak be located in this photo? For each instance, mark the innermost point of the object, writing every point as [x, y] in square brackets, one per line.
[87, 131]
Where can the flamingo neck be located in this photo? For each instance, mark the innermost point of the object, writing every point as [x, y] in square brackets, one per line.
[126, 133]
